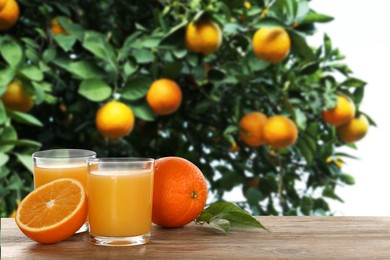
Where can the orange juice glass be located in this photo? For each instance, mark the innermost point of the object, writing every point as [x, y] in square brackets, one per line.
[120, 196]
[50, 165]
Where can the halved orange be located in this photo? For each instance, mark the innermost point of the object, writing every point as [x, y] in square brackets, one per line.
[53, 212]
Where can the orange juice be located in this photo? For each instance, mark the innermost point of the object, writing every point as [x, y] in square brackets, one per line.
[120, 202]
[51, 172]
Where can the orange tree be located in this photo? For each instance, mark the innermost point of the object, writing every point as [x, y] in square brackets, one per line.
[211, 63]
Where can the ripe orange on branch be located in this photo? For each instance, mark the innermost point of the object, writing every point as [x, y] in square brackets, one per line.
[354, 130]
[114, 119]
[271, 44]
[16, 97]
[164, 96]
[180, 192]
[343, 112]
[9, 14]
[53, 212]
[203, 37]
[280, 132]
[251, 128]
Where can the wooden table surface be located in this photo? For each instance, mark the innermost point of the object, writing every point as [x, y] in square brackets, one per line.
[289, 238]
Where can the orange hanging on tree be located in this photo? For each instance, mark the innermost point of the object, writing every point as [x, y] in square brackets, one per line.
[164, 96]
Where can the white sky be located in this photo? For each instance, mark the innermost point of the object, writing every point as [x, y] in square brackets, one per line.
[361, 32]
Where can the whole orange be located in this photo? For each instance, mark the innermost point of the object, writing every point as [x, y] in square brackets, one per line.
[203, 37]
[271, 44]
[251, 128]
[9, 15]
[164, 96]
[354, 130]
[16, 97]
[114, 120]
[180, 192]
[280, 132]
[343, 112]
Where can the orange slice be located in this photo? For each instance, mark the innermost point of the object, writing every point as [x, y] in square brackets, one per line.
[53, 212]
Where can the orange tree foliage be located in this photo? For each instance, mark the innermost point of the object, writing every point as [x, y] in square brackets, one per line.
[110, 49]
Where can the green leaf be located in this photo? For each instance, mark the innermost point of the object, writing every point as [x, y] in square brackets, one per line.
[97, 44]
[32, 54]
[66, 42]
[6, 76]
[300, 118]
[72, 28]
[300, 46]
[32, 72]
[226, 211]
[22, 142]
[180, 53]
[329, 192]
[255, 64]
[358, 95]
[95, 90]
[85, 69]
[12, 52]
[128, 45]
[347, 179]
[253, 196]
[3, 114]
[39, 89]
[313, 17]
[41, 33]
[130, 67]
[143, 56]
[222, 225]
[3, 173]
[30, 42]
[24, 118]
[143, 111]
[302, 9]
[232, 68]
[327, 45]
[151, 42]
[136, 88]
[25, 159]
[15, 183]
[3, 159]
[49, 55]
[9, 134]
[353, 82]
[82, 69]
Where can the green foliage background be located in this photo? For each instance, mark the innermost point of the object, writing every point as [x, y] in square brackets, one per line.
[115, 49]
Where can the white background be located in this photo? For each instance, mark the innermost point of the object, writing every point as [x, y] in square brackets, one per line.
[361, 31]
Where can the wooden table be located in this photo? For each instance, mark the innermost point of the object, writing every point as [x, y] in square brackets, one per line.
[289, 238]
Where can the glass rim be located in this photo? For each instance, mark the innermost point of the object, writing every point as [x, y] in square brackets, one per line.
[57, 153]
[120, 160]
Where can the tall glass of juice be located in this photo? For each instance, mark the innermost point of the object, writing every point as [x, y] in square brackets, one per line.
[50, 165]
[120, 196]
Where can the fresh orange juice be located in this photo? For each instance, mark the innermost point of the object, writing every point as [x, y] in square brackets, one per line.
[51, 172]
[120, 202]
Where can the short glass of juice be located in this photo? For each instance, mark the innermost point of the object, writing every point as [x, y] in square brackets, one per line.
[120, 197]
[50, 165]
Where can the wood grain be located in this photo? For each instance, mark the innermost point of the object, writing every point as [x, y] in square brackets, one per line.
[289, 238]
